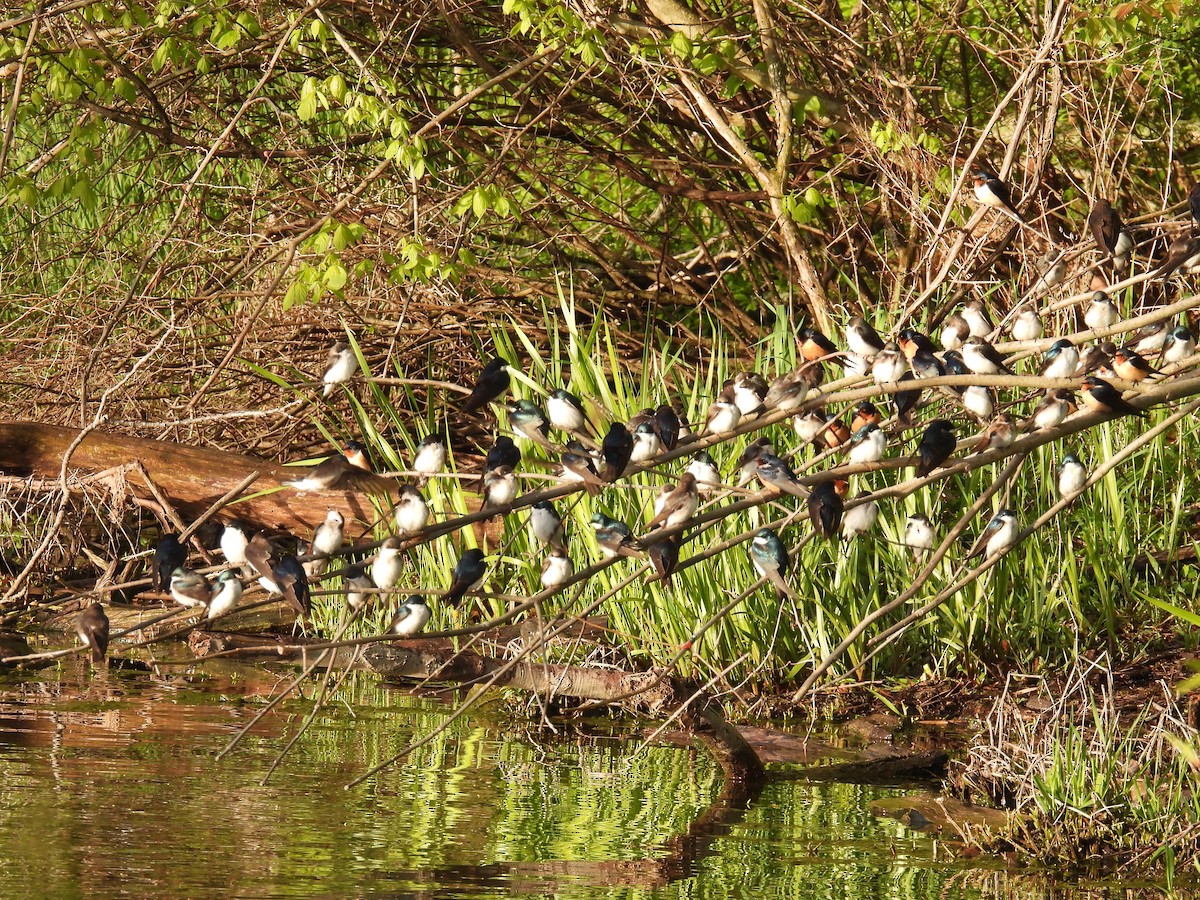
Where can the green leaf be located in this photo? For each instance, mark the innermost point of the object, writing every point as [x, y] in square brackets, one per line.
[297, 293]
[335, 277]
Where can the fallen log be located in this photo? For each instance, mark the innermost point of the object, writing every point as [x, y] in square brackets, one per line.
[192, 478]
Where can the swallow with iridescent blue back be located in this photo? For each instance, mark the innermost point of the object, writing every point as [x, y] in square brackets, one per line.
[169, 555]
[936, 446]
[664, 556]
[666, 422]
[190, 589]
[998, 536]
[617, 449]
[491, 384]
[613, 536]
[410, 618]
[502, 453]
[226, 595]
[566, 413]
[1072, 476]
[866, 413]
[528, 420]
[545, 524]
[771, 561]
[1060, 361]
[867, 445]
[775, 472]
[468, 575]
[704, 470]
[646, 443]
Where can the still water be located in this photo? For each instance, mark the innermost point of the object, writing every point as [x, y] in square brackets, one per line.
[111, 787]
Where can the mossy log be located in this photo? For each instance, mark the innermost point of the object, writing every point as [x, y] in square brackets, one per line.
[192, 479]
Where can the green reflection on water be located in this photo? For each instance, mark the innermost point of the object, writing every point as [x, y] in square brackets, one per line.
[110, 787]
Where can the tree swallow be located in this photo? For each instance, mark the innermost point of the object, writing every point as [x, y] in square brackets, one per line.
[1151, 339]
[1051, 411]
[982, 358]
[825, 505]
[357, 585]
[190, 589]
[527, 419]
[918, 535]
[412, 512]
[1060, 361]
[234, 541]
[567, 414]
[1180, 345]
[429, 458]
[1101, 311]
[955, 332]
[889, 364]
[502, 453]
[978, 400]
[613, 537]
[261, 556]
[664, 556]
[666, 422]
[92, 627]
[545, 524]
[410, 618]
[493, 381]
[977, 320]
[1026, 324]
[994, 193]
[675, 506]
[867, 445]
[749, 392]
[862, 339]
[702, 468]
[617, 449]
[999, 535]
[771, 561]
[169, 555]
[577, 466]
[905, 402]
[1072, 476]
[1000, 433]
[557, 569]
[1101, 397]
[776, 473]
[861, 518]
[499, 487]
[387, 566]
[339, 367]
[937, 443]
[747, 464]
[810, 425]
[326, 541]
[646, 443]
[723, 414]
[925, 365]
[468, 575]
[227, 594]
[1130, 365]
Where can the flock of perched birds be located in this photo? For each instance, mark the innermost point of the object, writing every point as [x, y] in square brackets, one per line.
[594, 461]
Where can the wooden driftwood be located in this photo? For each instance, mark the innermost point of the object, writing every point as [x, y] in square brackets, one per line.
[191, 478]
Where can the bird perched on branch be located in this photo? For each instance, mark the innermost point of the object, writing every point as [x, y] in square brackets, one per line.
[860, 518]
[226, 596]
[617, 449]
[528, 420]
[566, 413]
[613, 536]
[1072, 476]
[190, 589]
[491, 384]
[411, 617]
[557, 569]
[825, 506]
[771, 561]
[169, 555]
[862, 339]
[676, 506]
[995, 194]
[1105, 225]
[1101, 397]
[388, 564]
[468, 575]
[411, 512]
[999, 535]
[429, 457]
[937, 443]
[340, 366]
[1130, 365]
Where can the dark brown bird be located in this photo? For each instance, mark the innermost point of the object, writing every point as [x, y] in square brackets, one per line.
[1105, 225]
[92, 628]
